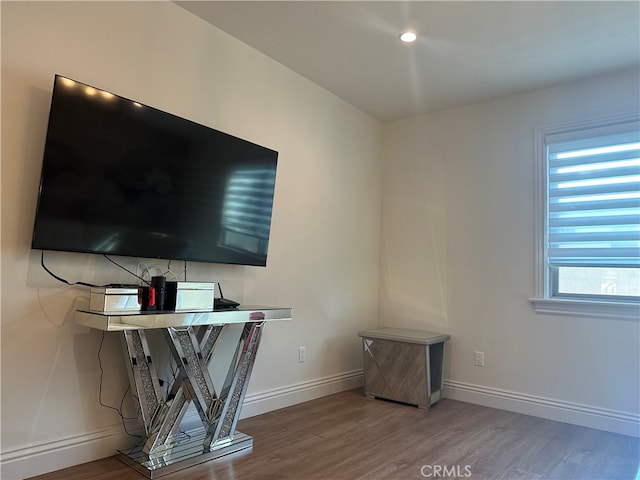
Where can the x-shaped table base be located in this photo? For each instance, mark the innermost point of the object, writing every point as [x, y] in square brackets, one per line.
[164, 450]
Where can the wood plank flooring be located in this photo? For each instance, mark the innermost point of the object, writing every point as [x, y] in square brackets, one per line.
[347, 436]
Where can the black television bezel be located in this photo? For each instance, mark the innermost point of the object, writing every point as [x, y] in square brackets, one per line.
[37, 244]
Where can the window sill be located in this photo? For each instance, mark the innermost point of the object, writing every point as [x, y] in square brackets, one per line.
[586, 308]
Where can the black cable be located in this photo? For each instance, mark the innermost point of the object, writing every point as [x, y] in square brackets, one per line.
[85, 284]
[118, 410]
[182, 432]
[128, 271]
[124, 395]
[170, 271]
[60, 279]
[184, 270]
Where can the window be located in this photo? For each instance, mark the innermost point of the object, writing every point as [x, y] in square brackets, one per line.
[589, 214]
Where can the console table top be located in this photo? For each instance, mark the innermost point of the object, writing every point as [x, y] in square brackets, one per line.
[148, 320]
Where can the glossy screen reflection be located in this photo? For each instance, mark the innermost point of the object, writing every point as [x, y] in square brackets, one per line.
[122, 178]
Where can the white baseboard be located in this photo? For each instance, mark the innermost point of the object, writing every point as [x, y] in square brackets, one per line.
[262, 402]
[587, 416]
[45, 457]
[37, 459]
[269, 400]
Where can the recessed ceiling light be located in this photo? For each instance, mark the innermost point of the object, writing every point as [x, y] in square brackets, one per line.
[408, 37]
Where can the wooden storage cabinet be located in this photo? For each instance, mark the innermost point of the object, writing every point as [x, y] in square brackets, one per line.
[403, 365]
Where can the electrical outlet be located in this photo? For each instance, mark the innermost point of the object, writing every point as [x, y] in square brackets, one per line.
[479, 359]
[302, 354]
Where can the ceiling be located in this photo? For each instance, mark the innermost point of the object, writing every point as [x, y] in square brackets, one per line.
[467, 51]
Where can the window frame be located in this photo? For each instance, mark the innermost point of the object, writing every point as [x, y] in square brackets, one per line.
[554, 282]
[543, 300]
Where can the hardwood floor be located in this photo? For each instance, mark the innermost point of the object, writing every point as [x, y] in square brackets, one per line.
[347, 436]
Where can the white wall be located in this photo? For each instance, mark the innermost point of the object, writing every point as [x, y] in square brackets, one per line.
[457, 235]
[324, 250]
[457, 256]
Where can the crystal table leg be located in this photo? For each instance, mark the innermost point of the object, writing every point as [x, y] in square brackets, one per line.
[193, 350]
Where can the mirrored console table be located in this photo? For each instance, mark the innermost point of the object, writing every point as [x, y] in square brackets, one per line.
[190, 340]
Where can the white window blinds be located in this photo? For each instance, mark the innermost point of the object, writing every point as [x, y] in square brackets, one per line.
[593, 200]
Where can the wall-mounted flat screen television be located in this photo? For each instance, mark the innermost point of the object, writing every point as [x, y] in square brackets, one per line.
[123, 178]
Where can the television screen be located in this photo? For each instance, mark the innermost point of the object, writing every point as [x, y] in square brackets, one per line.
[122, 178]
